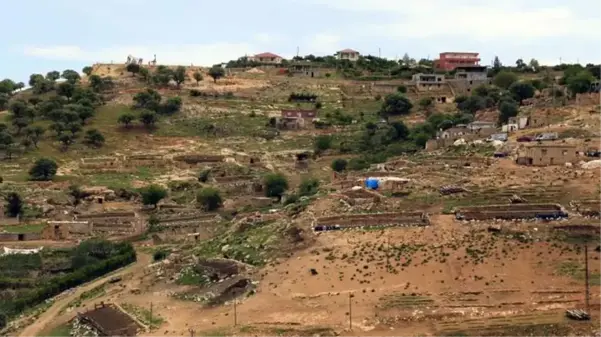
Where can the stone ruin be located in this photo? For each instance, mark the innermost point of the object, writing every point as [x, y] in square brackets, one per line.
[195, 160]
[121, 223]
[589, 208]
[366, 220]
[66, 230]
[187, 221]
[101, 164]
[511, 211]
[147, 160]
[240, 184]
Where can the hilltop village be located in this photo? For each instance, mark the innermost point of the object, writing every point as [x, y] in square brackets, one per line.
[320, 195]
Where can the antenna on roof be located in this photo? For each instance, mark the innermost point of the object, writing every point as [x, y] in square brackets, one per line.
[297, 50]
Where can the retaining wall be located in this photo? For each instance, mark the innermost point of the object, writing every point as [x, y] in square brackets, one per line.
[197, 158]
[20, 236]
[588, 208]
[511, 211]
[372, 219]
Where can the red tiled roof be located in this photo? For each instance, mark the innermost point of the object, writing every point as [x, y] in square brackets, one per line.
[349, 51]
[459, 53]
[267, 55]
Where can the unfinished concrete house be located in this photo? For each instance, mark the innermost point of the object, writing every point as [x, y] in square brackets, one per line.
[547, 154]
[434, 85]
[293, 119]
[109, 320]
[468, 78]
[453, 133]
[303, 69]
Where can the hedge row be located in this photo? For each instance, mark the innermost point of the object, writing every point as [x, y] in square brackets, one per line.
[61, 283]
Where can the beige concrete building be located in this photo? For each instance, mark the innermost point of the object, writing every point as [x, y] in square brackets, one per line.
[547, 154]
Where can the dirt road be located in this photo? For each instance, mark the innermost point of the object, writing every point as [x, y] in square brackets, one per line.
[36, 327]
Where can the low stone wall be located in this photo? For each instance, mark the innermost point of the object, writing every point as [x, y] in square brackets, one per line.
[372, 220]
[589, 207]
[199, 158]
[511, 211]
[20, 236]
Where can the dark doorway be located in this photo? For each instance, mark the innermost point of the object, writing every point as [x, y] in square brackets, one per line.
[443, 99]
[21, 237]
[312, 74]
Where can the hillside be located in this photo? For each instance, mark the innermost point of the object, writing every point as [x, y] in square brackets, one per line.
[259, 223]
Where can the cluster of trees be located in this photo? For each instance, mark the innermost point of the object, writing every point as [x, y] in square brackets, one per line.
[7, 89]
[90, 260]
[149, 105]
[579, 79]
[67, 106]
[164, 75]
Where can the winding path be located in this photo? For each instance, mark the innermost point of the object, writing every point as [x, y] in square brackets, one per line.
[51, 313]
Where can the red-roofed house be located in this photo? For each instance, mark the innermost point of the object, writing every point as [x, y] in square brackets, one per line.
[348, 54]
[269, 58]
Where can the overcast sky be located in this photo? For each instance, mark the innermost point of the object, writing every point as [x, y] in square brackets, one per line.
[44, 35]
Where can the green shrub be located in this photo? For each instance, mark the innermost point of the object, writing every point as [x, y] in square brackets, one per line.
[308, 187]
[209, 199]
[275, 185]
[160, 254]
[339, 165]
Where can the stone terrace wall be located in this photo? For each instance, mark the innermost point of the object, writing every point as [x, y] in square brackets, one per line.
[510, 211]
[117, 222]
[588, 207]
[375, 219]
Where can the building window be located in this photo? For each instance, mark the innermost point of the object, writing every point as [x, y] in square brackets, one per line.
[564, 152]
[544, 152]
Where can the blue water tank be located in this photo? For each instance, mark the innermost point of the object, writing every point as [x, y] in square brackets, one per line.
[372, 183]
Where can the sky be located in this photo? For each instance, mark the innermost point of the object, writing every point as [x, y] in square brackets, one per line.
[47, 35]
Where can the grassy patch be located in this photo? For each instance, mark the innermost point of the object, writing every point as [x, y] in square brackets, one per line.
[31, 228]
[188, 276]
[143, 315]
[62, 330]
[225, 126]
[253, 246]
[576, 271]
[86, 295]
[402, 301]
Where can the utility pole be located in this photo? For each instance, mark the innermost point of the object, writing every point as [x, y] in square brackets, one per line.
[235, 312]
[297, 51]
[586, 289]
[388, 252]
[350, 312]
[379, 52]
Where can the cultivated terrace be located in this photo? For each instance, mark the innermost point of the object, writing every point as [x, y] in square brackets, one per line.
[312, 196]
